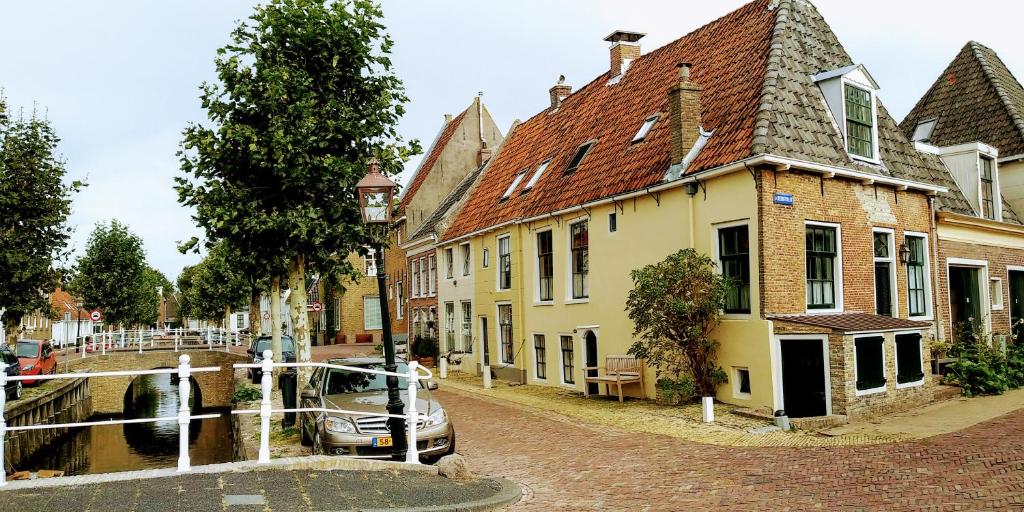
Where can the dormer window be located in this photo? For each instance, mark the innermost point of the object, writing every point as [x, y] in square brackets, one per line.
[515, 183]
[644, 129]
[923, 131]
[577, 159]
[987, 189]
[860, 122]
[536, 175]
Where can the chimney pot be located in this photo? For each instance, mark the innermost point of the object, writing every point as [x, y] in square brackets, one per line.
[624, 50]
[447, 118]
[684, 71]
[559, 92]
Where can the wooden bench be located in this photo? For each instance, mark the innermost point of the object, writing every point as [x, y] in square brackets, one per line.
[618, 371]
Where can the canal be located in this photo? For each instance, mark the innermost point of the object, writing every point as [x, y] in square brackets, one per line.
[111, 448]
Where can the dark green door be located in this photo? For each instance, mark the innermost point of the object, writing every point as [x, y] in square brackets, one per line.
[964, 297]
[1017, 302]
[803, 378]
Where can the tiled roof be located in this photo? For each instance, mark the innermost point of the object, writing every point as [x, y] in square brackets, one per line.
[852, 322]
[436, 222]
[755, 66]
[976, 98]
[429, 160]
[62, 302]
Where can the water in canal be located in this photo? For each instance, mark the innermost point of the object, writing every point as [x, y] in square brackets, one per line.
[111, 448]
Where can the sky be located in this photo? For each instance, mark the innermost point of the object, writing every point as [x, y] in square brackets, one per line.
[119, 78]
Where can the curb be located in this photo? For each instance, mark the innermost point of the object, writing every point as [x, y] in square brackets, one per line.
[509, 494]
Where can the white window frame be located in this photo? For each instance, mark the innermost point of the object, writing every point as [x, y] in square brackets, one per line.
[837, 271]
[928, 305]
[449, 263]
[415, 277]
[896, 360]
[736, 393]
[467, 258]
[379, 313]
[466, 328]
[449, 326]
[997, 305]
[645, 128]
[568, 261]
[515, 183]
[537, 174]
[485, 259]
[497, 327]
[716, 254]
[533, 356]
[874, 114]
[613, 215]
[872, 391]
[432, 275]
[497, 268]
[997, 198]
[575, 360]
[982, 266]
[779, 397]
[399, 299]
[370, 264]
[536, 269]
[894, 291]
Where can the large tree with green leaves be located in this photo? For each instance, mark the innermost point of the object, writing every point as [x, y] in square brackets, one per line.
[35, 203]
[113, 276]
[216, 286]
[306, 95]
[675, 304]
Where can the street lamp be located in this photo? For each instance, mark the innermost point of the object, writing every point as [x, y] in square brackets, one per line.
[78, 316]
[904, 253]
[376, 193]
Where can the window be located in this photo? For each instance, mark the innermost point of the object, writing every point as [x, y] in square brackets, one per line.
[545, 266]
[449, 326]
[432, 275]
[741, 383]
[432, 322]
[400, 303]
[370, 264]
[467, 327]
[486, 258]
[579, 244]
[859, 122]
[917, 303]
[336, 314]
[613, 222]
[869, 359]
[995, 292]
[885, 279]
[449, 263]
[540, 356]
[515, 183]
[645, 128]
[567, 360]
[371, 313]
[821, 267]
[923, 132]
[734, 257]
[415, 278]
[987, 194]
[505, 333]
[909, 365]
[239, 320]
[536, 174]
[391, 292]
[504, 263]
[466, 259]
[577, 159]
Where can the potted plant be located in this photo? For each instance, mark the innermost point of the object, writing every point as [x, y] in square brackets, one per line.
[425, 350]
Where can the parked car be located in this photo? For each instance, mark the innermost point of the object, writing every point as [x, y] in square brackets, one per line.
[368, 436]
[9, 360]
[258, 345]
[36, 358]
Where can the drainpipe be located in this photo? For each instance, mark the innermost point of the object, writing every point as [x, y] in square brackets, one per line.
[940, 329]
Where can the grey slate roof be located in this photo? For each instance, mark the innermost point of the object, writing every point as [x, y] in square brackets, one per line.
[795, 122]
[438, 220]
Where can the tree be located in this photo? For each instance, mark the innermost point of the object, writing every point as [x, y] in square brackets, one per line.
[34, 207]
[675, 304]
[306, 96]
[113, 276]
[185, 279]
[216, 286]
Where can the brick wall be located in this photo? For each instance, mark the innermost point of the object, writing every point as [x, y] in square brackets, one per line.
[397, 269]
[425, 301]
[998, 258]
[355, 290]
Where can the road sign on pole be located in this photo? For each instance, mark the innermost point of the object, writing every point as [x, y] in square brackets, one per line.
[316, 307]
[96, 315]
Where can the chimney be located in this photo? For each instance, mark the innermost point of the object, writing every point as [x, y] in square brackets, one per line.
[684, 113]
[624, 50]
[559, 92]
[447, 118]
[484, 154]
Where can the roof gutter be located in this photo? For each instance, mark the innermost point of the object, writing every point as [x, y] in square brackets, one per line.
[778, 161]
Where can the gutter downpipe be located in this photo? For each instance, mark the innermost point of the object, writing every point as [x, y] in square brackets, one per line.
[940, 328]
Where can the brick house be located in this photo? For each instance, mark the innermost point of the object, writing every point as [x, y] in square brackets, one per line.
[972, 118]
[779, 162]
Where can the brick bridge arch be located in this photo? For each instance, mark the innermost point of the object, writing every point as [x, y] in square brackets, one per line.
[108, 393]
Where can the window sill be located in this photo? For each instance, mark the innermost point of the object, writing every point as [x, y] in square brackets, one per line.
[916, 383]
[741, 396]
[830, 311]
[544, 303]
[997, 308]
[921, 318]
[872, 391]
[736, 316]
[865, 159]
[584, 300]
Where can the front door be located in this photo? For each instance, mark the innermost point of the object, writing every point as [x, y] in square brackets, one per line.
[1017, 303]
[483, 338]
[803, 378]
[590, 342]
[964, 297]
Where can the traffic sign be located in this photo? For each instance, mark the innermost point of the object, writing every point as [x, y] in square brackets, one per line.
[317, 307]
[96, 315]
[266, 315]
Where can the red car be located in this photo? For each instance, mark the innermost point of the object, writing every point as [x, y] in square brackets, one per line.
[36, 358]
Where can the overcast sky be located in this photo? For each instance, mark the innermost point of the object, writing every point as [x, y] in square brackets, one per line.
[119, 79]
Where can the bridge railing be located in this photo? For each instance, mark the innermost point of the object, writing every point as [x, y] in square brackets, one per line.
[139, 339]
[412, 418]
[184, 372]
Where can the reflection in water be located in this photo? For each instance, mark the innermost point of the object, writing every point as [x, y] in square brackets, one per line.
[110, 448]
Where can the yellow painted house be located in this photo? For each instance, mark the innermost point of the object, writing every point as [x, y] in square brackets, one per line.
[783, 167]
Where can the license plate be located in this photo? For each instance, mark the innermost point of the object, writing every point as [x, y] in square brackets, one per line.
[380, 442]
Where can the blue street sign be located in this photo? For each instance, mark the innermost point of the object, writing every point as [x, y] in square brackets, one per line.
[784, 199]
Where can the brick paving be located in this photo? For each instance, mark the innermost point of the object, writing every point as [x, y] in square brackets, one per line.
[567, 464]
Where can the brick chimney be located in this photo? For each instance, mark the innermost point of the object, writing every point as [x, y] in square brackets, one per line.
[484, 154]
[559, 92]
[684, 114]
[624, 50]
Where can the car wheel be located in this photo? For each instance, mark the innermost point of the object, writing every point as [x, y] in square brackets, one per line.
[318, 444]
[17, 390]
[306, 441]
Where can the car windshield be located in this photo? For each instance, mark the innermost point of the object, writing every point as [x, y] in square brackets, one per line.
[344, 381]
[28, 349]
[287, 344]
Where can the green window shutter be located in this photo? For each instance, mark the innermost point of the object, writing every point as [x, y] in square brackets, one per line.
[870, 362]
[908, 358]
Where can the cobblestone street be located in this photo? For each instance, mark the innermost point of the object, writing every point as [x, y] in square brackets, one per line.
[571, 465]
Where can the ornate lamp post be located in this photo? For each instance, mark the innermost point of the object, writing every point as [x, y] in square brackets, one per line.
[78, 330]
[376, 193]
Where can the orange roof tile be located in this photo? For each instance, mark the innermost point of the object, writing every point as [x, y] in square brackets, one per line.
[62, 302]
[729, 59]
[430, 159]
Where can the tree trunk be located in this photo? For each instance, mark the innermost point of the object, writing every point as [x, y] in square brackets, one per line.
[255, 315]
[227, 318]
[297, 308]
[275, 322]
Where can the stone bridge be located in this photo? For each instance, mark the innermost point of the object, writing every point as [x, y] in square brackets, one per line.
[108, 393]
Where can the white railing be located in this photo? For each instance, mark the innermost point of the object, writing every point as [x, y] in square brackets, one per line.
[267, 366]
[184, 372]
[138, 339]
